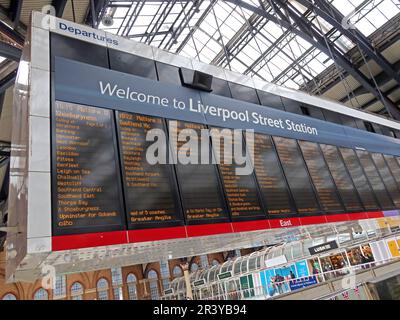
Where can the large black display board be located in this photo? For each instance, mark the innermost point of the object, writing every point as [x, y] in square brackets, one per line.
[342, 179]
[85, 175]
[151, 196]
[387, 178]
[360, 180]
[374, 179]
[271, 180]
[241, 189]
[296, 175]
[319, 172]
[200, 189]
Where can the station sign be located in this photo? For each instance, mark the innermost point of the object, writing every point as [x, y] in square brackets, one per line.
[323, 247]
[224, 275]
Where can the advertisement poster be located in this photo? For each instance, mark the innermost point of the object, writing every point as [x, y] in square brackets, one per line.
[360, 255]
[289, 278]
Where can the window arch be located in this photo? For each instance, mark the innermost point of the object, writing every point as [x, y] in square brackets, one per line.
[177, 272]
[76, 291]
[9, 296]
[41, 294]
[194, 267]
[102, 289]
[152, 276]
[132, 289]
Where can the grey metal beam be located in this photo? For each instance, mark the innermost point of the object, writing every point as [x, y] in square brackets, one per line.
[59, 5]
[381, 79]
[14, 12]
[196, 26]
[386, 93]
[387, 35]
[11, 33]
[95, 12]
[329, 13]
[320, 42]
[10, 52]
[7, 81]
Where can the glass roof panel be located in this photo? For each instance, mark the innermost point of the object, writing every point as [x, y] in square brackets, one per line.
[221, 33]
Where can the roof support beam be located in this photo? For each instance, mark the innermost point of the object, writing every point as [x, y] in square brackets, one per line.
[7, 81]
[329, 13]
[59, 5]
[10, 52]
[96, 12]
[381, 79]
[15, 11]
[196, 26]
[308, 33]
[11, 33]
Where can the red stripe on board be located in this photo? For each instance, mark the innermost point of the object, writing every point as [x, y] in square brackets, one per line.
[337, 217]
[208, 229]
[375, 214]
[250, 225]
[87, 240]
[156, 234]
[312, 220]
[358, 216]
[284, 223]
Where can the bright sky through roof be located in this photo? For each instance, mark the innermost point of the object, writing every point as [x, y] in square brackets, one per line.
[272, 54]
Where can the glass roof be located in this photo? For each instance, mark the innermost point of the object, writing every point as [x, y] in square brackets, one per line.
[229, 36]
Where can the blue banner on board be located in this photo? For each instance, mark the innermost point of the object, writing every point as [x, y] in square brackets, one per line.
[81, 83]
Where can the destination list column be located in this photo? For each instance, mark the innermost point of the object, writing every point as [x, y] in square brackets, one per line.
[85, 175]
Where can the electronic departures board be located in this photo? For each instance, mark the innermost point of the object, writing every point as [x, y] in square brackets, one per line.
[90, 151]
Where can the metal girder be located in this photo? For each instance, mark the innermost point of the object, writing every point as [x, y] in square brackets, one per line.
[308, 33]
[96, 11]
[5, 184]
[196, 26]
[14, 12]
[10, 52]
[381, 79]
[7, 81]
[59, 5]
[386, 93]
[160, 21]
[11, 33]
[181, 27]
[329, 13]
[387, 36]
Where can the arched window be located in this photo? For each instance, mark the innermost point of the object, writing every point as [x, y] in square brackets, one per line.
[194, 267]
[177, 272]
[9, 296]
[215, 262]
[102, 289]
[41, 294]
[153, 283]
[132, 289]
[76, 291]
